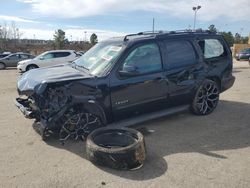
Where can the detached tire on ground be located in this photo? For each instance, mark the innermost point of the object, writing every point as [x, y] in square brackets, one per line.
[119, 148]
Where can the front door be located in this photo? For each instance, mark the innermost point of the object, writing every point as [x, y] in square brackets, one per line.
[139, 83]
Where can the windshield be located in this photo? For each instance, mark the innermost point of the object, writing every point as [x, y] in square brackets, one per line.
[99, 58]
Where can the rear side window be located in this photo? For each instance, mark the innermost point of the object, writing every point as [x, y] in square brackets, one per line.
[179, 53]
[61, 54]
[212, 48]
[24, 56]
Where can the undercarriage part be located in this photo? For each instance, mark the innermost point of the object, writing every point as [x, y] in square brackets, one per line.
[118, 148]
[77, 125]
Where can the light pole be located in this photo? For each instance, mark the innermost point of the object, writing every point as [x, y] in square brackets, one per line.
[85, 36]
[195, 9]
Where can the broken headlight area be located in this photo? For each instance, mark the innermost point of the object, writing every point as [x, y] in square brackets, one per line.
[45, 105]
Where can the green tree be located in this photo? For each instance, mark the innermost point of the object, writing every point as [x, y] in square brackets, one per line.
[93, 39]
[228, 36]
[237, 38]
[59, 39]
[244, 40]
[212, 28]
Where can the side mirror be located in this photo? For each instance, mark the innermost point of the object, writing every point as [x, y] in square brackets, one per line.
[128, 71]
[41, 58]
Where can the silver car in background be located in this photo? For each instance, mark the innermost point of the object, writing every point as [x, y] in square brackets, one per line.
[12, 59]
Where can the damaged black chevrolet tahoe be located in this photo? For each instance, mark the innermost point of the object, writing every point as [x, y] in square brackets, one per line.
[123, 79]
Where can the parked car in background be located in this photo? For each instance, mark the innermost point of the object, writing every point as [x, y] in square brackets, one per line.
[12, 59]
[243, 54]
[49, 58]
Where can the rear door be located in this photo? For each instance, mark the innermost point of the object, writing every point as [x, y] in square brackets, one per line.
[183, 65]
[143, 90]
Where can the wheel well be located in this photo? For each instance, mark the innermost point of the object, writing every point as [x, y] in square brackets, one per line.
[92, 108]
[31, 65]
[216, 79]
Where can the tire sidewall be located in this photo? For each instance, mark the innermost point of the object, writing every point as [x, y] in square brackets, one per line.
[193, 105]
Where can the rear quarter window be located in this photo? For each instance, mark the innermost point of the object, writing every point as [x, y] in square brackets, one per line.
[61, 54]
[212, 48]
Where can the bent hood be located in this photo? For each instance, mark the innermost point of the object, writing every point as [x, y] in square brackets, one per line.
[37, 79]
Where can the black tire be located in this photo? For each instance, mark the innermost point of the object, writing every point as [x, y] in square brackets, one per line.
[2, 66]
[206, 98]
[118, 148]
[30, 67]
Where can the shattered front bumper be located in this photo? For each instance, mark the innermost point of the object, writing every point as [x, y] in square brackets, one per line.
[23, 106]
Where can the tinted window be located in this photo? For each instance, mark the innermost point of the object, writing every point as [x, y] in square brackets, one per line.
[179, 53]
[246, 50]
[212, 48]
[24, 56]
[13, 57]
[61, 54]
[145, 59]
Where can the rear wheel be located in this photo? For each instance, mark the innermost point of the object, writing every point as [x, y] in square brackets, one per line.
[206, 98]
[30, 67]
[2, 66]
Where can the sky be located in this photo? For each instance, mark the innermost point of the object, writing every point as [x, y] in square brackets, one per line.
[109, 18]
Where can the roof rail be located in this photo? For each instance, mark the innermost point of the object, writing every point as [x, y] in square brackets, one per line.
[142, 33]
[159, 33]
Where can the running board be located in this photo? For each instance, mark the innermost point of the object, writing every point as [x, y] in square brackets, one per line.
[149, 116]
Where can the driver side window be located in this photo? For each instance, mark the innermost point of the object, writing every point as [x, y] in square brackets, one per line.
[144, 59]
[14, 57]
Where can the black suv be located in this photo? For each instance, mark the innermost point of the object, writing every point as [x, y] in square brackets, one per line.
[119, 80]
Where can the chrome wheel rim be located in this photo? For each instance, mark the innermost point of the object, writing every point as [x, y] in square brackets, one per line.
[207, 98]
[78, 126]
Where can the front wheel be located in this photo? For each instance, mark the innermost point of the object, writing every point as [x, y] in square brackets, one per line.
[78, 124]
[206, 98]
[30, 67]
